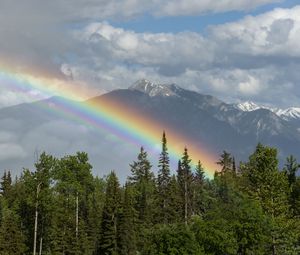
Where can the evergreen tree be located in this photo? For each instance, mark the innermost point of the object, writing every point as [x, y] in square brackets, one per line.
[185, 179]
[234, 169]
[225, 162]
[163, 181]
[198, 189]
[126, 224]
[6, 184]
[291, 168]
[108, 239]
[175, 201]
[270, 187]
[12, 240]
[143, 182]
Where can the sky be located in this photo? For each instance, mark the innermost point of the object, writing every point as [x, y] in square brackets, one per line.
[236, 50]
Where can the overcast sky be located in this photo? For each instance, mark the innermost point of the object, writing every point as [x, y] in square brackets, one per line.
[236, 50]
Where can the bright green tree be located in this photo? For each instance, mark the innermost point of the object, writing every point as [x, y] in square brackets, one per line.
[271, 188]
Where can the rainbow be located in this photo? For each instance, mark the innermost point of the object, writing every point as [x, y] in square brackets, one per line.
[119, 119]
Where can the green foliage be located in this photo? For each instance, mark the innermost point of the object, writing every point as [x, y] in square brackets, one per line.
[108, 239]
[163, 183]
[127, 224]
[12, 240]
[252, 210]
[226, 162]
[142, 180]
[171, 240]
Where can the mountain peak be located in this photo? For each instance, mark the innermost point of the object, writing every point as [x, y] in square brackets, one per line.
[155, 89]
[248, 106]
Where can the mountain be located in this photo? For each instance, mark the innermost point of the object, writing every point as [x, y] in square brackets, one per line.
[216, 124]
[30, 128]
[289, 114]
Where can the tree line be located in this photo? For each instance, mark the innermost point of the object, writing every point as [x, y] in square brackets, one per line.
[61, 208]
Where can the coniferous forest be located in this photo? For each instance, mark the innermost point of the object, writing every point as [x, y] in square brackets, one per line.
[250, 207]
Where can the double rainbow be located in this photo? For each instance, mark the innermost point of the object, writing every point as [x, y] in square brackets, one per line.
[115, 117]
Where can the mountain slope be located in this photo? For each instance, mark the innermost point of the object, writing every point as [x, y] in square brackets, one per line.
[31, 128]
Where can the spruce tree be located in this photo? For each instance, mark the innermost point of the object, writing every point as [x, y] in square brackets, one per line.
[108, 239]
[291, 167]
[126, 224]
[270, 186]
[163, 181]
[6, 183]
[198, 189]
[12, 240]
[175, 201]
[226, 162]
[143, 182]
[185, 179]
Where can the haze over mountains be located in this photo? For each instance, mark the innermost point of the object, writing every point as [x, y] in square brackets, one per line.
[237, 128]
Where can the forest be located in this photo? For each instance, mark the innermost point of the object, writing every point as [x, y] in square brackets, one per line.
[250, 207]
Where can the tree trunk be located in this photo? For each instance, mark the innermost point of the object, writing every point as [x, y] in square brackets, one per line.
[77, 212]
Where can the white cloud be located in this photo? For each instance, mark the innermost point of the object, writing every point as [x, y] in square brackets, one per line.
[11, 151]
[248, 59]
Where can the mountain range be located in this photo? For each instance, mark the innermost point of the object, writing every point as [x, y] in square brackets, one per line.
[237, 128]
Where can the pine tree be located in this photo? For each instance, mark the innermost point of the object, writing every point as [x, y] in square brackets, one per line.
[163, 181]
[225, 162]
[291, 167]
[143, 182]
[12, 240]
[234, 169]
[126, 224]
[198, 189]
[6, 183]
[108, 240]
[175, 201]
[270, 186]
[185, 179]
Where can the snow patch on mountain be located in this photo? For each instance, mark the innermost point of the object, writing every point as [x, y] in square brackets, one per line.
[155, 89]
[286, 114]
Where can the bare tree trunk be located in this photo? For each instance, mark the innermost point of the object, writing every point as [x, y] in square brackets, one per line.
[77, 212]
[35, 227]
[41, 246]
[36, 218]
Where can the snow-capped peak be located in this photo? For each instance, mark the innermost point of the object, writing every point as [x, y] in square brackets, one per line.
[286, 114]
[289, 113]
[154, 89]
[248, 106]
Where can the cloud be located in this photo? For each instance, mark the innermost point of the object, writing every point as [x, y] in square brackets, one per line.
[11, 151]
[247, 59]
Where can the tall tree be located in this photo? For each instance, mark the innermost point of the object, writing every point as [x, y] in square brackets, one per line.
[6, 183]
[12, 240]
[198, 189]
[126, 224]
[163, 181]
[108, 239]
[225, 161]
[291, 167]
[144, 185]
[185, 179]
[270, 186]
